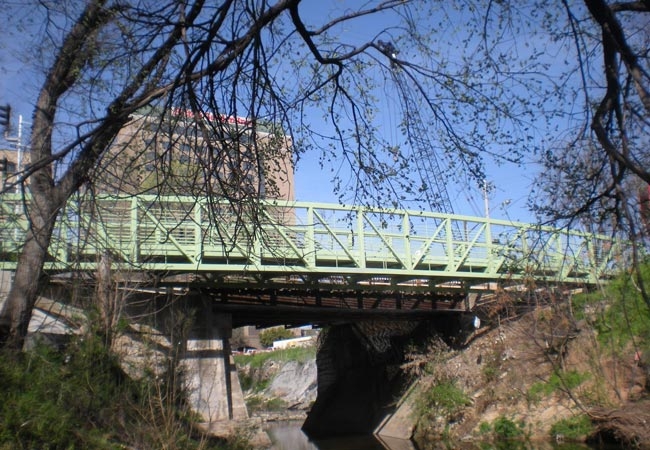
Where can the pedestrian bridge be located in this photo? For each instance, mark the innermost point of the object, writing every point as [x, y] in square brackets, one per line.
[302, 244]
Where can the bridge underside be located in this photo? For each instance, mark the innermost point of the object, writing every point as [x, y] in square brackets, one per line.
[268, 307]
[263, 307]
[268, 301]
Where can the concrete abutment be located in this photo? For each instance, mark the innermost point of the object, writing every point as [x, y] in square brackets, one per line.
[360, 378]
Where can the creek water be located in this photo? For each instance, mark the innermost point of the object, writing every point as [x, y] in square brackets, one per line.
[289, 436]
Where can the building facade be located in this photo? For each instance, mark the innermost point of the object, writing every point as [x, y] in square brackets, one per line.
[179, 154]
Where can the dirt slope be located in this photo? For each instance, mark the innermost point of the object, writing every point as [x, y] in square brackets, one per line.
[538, 370]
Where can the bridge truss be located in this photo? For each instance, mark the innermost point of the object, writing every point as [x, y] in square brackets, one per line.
[315, 246]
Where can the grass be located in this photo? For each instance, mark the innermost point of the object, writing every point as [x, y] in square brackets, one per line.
[257, 360]
[80, 398]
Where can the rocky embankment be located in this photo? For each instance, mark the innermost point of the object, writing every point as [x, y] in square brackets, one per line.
[279, 389]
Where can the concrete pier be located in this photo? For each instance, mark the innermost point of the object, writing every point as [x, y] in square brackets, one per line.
[210, 373]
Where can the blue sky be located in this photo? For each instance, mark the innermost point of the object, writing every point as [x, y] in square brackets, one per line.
[510, 185]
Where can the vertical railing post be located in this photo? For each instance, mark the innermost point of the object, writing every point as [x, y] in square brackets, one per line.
[488, 243]
[406, 233]
[133, 251]
[525, 248]
[198, 231]
[255, 249]
[310, 235]
[450, 245]
[361, 239]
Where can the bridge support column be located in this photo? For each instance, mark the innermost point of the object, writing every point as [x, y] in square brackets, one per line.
[210, 373]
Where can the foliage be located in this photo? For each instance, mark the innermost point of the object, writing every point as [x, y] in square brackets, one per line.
[505, 428]
[257, 403]
[49, 401]
[619, 314]
[80, 398]
[443, 399]
[574, 428]
[257, 360]
[249, 382]
[484, 428]
[270, 335]
[558, 381]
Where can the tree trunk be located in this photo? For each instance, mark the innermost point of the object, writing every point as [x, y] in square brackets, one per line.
[29, 275]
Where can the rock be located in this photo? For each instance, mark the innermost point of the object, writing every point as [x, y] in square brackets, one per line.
[295, 382]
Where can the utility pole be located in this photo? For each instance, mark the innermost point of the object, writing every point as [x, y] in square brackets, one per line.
[485, 199]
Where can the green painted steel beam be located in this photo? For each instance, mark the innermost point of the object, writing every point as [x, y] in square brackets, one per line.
[276, 240]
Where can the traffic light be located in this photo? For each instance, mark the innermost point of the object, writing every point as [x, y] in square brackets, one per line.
[3, 164]
[5, 116]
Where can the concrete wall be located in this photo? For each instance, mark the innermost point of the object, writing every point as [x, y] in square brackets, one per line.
[360, 380]
[356, 383]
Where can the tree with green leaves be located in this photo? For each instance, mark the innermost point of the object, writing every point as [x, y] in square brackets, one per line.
[460, 81]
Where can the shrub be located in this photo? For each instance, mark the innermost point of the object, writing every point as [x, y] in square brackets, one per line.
[256, 403]
[80, 398]
[48, 401]
[574, 428]
[505, 428]
[443, 399]
[484, 428]
[623, 313]
[557, 381]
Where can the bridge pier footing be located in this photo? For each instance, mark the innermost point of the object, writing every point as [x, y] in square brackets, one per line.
[209, 371]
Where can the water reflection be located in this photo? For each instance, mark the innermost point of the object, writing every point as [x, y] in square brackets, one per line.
[512, 445]
[289, 436]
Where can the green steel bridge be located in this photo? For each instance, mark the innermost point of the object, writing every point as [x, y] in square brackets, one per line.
[274, 250]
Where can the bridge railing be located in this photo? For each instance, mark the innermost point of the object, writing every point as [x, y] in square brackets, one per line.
[308, 239]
